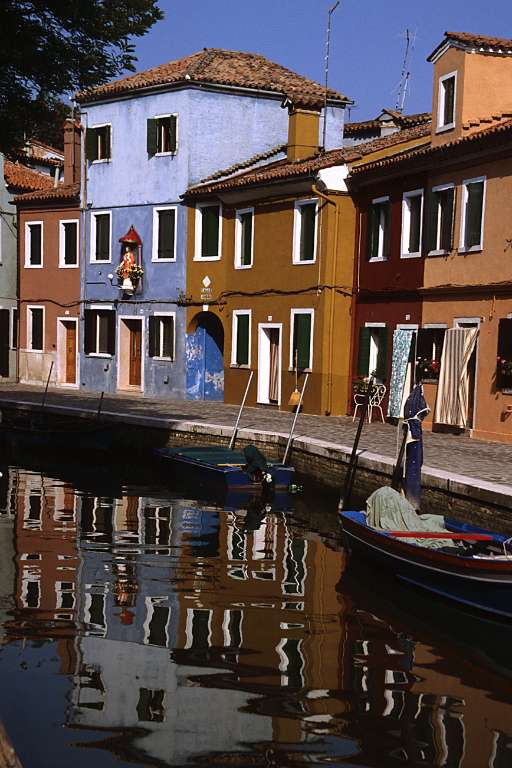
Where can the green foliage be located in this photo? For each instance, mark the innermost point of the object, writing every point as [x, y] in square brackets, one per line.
[52, 47]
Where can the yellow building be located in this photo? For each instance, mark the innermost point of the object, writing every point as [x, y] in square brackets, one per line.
[270, 267]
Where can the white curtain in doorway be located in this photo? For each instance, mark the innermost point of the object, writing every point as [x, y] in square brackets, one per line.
[402, 339]
[452, 402]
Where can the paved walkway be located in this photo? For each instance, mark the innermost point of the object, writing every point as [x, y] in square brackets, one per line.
[458, 454]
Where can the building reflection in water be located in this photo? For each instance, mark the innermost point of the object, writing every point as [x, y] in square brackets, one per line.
[199, 633]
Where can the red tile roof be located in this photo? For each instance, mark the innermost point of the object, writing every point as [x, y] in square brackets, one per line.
[217, 66]
[289, 169]
[403, 121]
[495, 133]
[496, 45]
[23, 179]
[62, 192]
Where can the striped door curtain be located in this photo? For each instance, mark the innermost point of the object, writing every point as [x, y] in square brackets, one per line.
[452, 404]
[402, 339]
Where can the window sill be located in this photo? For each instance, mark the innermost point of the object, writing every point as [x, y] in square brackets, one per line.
[162, 359]
[439, 252]
[100, 261]
[99, 354]
[156, 260]
[207, 258]
[34, 266]
[243, 266]
[244, 366]
[165, 154]
[300, 371]
[444, 128]
[505, 390]
[472, 249]
[68, 266]
[429, 381]
[376, 259]
[303, 262]
[101, 160]
[411, 255]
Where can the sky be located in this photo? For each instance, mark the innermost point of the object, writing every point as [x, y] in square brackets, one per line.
[367, 39]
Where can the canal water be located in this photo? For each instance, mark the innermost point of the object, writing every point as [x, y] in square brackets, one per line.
[142, 628]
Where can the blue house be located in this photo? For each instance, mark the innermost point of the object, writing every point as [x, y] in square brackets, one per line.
[149, 137]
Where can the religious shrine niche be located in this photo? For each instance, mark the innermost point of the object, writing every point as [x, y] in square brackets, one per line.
[130, 271]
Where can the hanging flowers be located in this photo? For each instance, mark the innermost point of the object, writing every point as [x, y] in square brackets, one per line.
[427, 368]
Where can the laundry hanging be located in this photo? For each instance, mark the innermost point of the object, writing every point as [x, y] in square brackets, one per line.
[452, 404]
[402, 340]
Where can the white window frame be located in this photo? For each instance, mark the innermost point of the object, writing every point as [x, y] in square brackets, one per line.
[160, 117]
[440, 188]
[238, 238]
[464, 187]
[440, 102]
[100, 308]
[103, 159]
[156, 211]
[199, 232]
[62, 243]
[28, 265]
[406, 224]
[162, 357]
[30, 307]
[306, 311]
[234, 337]
[380, 251]
[93, 259]
[297, 231]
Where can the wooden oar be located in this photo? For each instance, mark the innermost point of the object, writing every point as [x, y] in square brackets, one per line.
[438, 535]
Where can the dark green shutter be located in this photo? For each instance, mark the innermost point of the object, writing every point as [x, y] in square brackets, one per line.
[166, 229]
[35, 244]
[108, 142]
[246, 244]
[89, 331]
[70, 243]
[37, 329]
[372, 233]
[302, 340]
[307, 232]
[151, 136]
[474, 209]
[414, 224]
[382, 357]
[363, 355]
[153, 336]
[111, 332]
[103, 237]
[242, 339]
[172, 133]
[210, 231]
[167, 326]
[432, 218]
[504, 352]
[451, 201]
[15, 319]
[91, 144]
[387, 230]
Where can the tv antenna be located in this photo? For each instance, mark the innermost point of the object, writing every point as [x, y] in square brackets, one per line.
[327, 50]
[410, 39]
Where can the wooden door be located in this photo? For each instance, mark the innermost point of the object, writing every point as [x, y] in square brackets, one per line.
[70, 353]
[4, 342]
[135, 378]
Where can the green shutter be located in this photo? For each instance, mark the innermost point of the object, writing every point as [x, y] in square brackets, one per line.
[414, 223]
[91, 145]
[111, 332]
[166, 229]
[151, 136]
[153, 336]
[167, 326]
[474, 209]
[172, 133]
[103, 237]
[302, 340]
[451, 201]
[387, 230]
[37, 329]
[70, 243]
[382, 357]
[246, 244]
[372, 232]
[432, 217]
[242, 339]
[307, 231]
[35, 244]
[363, 358]
[210, 231]
[89, 331]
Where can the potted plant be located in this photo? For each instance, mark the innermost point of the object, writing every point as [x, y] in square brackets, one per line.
[129, 275]
[427, 369]
[504, 373]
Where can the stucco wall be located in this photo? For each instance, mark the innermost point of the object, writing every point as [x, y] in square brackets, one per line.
[8, 261]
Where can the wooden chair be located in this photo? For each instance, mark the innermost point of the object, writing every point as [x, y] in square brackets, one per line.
[376, 398]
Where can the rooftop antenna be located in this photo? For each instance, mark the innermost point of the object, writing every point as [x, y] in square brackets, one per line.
[327, 47]
[410, 39]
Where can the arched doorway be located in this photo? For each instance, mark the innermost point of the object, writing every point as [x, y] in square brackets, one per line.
[205, 358]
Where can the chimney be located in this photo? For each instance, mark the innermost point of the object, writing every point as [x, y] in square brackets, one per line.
[72, 151]
[303, 132]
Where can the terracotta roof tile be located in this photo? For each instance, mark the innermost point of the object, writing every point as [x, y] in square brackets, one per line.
[23, 179]
[403, 121]
[495, 45]
[252, 161]
[286, 169]
[494, 131]
[62, 192]
[217, 66]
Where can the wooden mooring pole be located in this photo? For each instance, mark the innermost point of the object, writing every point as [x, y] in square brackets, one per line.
[8, 757]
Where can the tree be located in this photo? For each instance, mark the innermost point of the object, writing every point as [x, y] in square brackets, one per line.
[52, 47]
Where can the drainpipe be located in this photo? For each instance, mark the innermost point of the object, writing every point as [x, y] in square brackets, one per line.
[333, 297]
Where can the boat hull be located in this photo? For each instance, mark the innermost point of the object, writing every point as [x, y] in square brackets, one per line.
[474, 582]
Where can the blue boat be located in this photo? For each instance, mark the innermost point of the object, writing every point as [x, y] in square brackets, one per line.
[225, 469]
[478, 575]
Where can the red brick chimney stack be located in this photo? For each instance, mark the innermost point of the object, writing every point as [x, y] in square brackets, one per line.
[72, 151]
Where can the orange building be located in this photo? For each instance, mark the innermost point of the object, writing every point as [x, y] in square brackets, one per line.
[49, 274]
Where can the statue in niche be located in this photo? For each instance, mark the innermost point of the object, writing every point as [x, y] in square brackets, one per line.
[130, 270]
